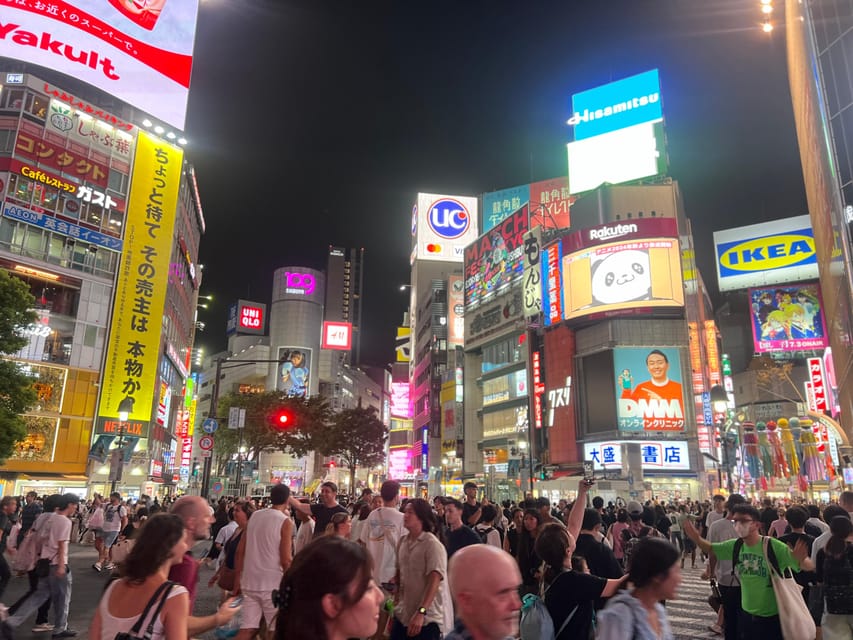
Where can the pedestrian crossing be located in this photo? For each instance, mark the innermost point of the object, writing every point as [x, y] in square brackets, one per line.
[690, 615]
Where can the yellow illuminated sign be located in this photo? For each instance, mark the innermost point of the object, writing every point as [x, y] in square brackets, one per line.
[134, 344]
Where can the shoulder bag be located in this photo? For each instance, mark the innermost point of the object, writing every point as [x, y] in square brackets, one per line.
[794, 616]
[159, 598]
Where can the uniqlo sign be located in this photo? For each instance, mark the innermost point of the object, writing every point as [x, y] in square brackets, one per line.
[818, 381]
[251, 318]
[337, 336]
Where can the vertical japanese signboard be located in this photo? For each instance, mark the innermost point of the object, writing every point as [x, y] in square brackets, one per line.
[818, 384]
[134, 346]
[532, 276]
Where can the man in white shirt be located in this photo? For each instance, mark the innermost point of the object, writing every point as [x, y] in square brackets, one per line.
[717, 513]
[115, 520]
[224, 535]
[269, 536]
[381, 533]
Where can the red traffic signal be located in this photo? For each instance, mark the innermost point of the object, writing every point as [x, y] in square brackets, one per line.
[282, 420]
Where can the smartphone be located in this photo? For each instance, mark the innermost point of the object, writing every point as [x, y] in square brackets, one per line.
[388, 586]
[237, 602]
[588, 471]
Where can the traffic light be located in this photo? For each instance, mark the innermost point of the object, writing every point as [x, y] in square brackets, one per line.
[196, 467]
[282, 420]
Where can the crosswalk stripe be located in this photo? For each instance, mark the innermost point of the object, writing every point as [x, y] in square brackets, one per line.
[689, 614]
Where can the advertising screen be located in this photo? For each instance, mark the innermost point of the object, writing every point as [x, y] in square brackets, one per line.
[455, 311]
[627, 276]
[133, 350]
[337, 336]
[499, 205]
[765, 254]
[617, 105]
[550, 203]
[788, 318]
[552, 284]
[443, 226]
[620, 156]
[139, 52]
[648, 389]
[401, 404]
[294, 371]
[495, 260]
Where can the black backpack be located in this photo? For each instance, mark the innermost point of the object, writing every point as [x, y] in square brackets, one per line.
[838, 583]
[484, 534]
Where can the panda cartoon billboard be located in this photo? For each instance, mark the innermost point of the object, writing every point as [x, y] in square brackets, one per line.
[622, 269]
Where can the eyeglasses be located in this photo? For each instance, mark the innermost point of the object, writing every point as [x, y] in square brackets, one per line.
[747, 521]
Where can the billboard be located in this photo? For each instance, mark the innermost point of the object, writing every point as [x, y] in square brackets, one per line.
[617, 105]
[624, 155]
[629, 269]
[788, 318]
[403, 344]
[294, 371]
[495, 260]
[337, 336]
[139, 52]
[133, 350]
[764, 254]
[550, 203]
[499, 205]
[648, 389]
[657, 455]
[401, 404]
[455, 311]
[443, 226]
[246, 317]
[552, 284]
[532, 272]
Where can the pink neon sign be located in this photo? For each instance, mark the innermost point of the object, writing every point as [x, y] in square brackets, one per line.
[400, 400]
[299, 283]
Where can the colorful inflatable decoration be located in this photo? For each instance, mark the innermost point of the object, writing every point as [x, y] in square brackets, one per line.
[751, 451]
[780, 464]
[765, 450]
[789, 446]
[813, 467]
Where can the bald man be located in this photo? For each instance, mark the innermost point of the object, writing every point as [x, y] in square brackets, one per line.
[484, 581]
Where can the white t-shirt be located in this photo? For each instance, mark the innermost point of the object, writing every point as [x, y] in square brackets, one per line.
[225, 533]
[303, 536]
[56, 529]
[382, 530]
[111, 626]
[113, 515]
[261, 564]
[720, 531]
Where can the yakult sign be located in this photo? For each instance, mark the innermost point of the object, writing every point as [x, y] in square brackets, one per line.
[444, 226]
[140, 52]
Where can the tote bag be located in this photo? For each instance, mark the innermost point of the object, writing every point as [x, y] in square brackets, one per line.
[794, 616]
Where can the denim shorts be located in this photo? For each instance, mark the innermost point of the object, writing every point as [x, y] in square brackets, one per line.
[109, 537]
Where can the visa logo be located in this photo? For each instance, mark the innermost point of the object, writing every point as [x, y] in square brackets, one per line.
[768, 253]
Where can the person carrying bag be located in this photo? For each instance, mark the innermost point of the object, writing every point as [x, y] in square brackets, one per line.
[794, 615]
[160, 596]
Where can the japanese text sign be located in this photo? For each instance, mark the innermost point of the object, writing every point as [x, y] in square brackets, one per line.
[57, 157]
[532, 274]
[648, 389]
[657, 455]
[499, 205]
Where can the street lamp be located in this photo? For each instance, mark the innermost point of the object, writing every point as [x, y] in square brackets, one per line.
[125, 408]
[720, 404]
[523, 446]
[444, 463]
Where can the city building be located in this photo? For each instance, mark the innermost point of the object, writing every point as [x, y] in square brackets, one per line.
[344, 292]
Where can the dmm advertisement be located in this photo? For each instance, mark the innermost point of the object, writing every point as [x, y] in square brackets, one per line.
[140, 52]
[294, 371]
[130, 370]
[648, 389]
[788, 318]
[495, 260]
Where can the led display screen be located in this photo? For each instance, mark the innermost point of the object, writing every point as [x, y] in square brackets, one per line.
[788, 318]
[496, 259]
[648, 389]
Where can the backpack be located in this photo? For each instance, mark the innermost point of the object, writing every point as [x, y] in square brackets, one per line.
[629, 544]
[838, 584]
[484, 534]
[29, 552]
[536, 622]
[771, 555]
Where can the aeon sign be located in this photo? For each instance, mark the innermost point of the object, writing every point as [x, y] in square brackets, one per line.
[448, 218]
[299, 283]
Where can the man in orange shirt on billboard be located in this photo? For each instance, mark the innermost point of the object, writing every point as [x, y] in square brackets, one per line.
[659, 388]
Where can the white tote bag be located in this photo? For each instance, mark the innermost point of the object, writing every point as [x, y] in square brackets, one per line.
[797, 622]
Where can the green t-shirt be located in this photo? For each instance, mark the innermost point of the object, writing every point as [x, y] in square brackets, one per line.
[757, 595]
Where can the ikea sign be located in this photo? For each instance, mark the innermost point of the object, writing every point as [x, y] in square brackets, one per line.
[770, 253]
[624, 103]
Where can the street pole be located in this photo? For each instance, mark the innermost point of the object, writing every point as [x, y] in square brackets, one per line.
[120, 460]
[240, 464]
[214, 401]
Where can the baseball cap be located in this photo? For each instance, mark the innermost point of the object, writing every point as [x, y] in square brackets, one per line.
[634, 509]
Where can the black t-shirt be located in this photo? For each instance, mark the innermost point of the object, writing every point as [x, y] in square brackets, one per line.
[802, 578]
[462, 537]
[469, 510]
[324, 514]
[768, 516]
[571, 588]
[599, 557]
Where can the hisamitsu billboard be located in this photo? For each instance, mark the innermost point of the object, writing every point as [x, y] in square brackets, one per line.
[624, 103]
[768, 253]
[140, 52]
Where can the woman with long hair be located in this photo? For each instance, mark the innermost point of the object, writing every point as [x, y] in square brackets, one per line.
[655, 573]
[568, 594]
[528, 561]
[328, 593]
[339, 525]
[513, 532]
[159, 546]
[834, 571]
[225, 573]
[614, 534]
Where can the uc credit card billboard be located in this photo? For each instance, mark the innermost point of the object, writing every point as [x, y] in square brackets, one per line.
[788, 318]
[648, 389]
[443, 226]
[138, 51]
[777, 252]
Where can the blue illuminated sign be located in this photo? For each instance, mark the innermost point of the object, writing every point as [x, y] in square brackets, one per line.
[500, 205]
[617, 105]
[448, 218]
[69, 229]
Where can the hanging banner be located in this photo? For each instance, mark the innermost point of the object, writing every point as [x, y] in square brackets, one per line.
[532, 276]
[134, 345]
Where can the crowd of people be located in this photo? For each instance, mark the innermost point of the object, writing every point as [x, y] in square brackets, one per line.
[408, 568]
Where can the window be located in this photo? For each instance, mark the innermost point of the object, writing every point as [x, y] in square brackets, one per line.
[11, 99]
[36, 105]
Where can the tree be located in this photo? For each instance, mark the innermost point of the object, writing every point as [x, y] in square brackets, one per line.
[356, 435]
[310, 416]
[16, 392]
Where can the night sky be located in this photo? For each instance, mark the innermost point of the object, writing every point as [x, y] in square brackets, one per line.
[316, 122]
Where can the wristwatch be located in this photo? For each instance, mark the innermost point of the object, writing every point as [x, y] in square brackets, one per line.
[422, 611]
